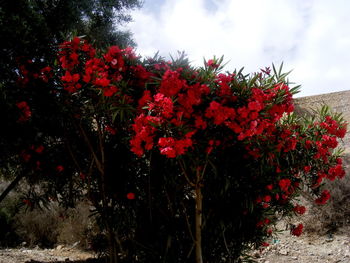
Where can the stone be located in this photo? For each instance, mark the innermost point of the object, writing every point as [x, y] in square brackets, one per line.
[283, 252]
[59, 247]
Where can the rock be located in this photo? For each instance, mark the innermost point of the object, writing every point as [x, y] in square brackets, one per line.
[329, 239]
[75, 244]
[283, 252]
[59, 247]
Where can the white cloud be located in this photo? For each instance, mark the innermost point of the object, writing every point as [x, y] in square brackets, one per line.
[311, 37]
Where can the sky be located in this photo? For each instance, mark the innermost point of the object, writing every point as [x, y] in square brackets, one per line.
[311, 37]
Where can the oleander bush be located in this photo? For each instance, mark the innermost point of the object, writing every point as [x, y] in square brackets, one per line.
[181, 164]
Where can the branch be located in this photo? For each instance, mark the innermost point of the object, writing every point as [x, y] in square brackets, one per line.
[185, 174]
[188, 223]
[73, 156]
[97, 161]
[11, 186]
[101, 139]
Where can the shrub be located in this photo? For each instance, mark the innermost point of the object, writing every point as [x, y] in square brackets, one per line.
[8, 209]
[38, 227]
[77, 226]
[336, 213]
[215, 157]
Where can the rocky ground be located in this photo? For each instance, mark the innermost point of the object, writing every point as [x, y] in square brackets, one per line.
[36, 255]
[308, 248]
[285, 249]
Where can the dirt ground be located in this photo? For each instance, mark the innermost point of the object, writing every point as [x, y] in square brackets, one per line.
[308, 248]
[36, 255]
[284, 249]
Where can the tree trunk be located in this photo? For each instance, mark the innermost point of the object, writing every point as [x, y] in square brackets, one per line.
[113, 254]
[11, 186]
[198, 225]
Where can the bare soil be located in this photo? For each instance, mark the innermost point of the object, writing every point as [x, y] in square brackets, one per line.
[36, 255]
[308, 248]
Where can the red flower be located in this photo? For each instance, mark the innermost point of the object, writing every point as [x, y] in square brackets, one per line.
[223, 81]
[26, 156]
[265, 205]
[110, 91]
[255, 106]
[284, 184]
[341, 132]
[325, 195]
[171, 83]
[297, 231]
[335, 171]
[260, 224]
[76, 41]
[299, 209]
[82, 176]
[219, 113]
[68, 77]
[308, 144]
[103, 82]
[74, 56]
[59, 168]
[168, 152]
[130, 196]
[145, 99]
[267, 198]
[200, 123]
[211, 63]
[39, 149]
[25, 111]
[269, 187]
[162, 105]
[110, 130]
[171, 148]
[144, 128]
[307, 168]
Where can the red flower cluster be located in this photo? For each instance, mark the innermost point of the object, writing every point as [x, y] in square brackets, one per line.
[69, 56]
[172, 148]
[333, 127]
[201, 107]
[103, 73]
[145, 128]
